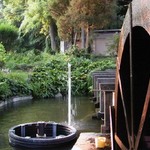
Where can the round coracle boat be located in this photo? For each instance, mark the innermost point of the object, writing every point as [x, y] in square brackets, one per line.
[43, 135]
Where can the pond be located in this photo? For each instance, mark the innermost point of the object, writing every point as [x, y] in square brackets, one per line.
[55, 110]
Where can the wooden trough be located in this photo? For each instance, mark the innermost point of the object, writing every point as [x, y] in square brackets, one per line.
[130, 117]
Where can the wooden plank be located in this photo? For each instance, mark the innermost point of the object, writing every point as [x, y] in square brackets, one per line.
[105, 128]
[112, 126]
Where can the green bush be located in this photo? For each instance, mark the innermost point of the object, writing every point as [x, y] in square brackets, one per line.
[2, 55]
[5, 91]
[49, 73]
[13, 84]
[22, 61]
[8, 35]
[51, 78]
[77, 52]
[48, 81]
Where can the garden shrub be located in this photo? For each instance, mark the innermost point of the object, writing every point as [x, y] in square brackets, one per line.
[78, 52]
[51, 78]
[13, 84]
[48, 81]
[5, 91]
[8, 35]
[49, 75]
[2, 55]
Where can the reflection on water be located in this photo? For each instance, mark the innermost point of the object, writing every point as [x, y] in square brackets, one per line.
[47, 110]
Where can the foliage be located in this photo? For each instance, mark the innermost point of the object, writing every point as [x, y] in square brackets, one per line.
[51, 78]
[58, 9]
[22, 61]
[76, 51]
[82, 14]
[31, 40]
[90, 13]
[13, 11]
[31, 28]
[8, 35]
[2, 55]
[5, 91]
[33, 20]
[121, 10]
[37, 19]
[113, 46]
[48, 74]
[47, 83]
[38, 23]
[13, 84]
[41, 20]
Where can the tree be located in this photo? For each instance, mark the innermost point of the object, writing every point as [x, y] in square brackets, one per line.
[13, 11]
[84, 14]
[38, 15]
[122, 7]
[44, 19]
[33, 19]
[57, 10]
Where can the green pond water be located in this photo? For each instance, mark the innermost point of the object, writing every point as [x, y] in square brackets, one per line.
[55, 110]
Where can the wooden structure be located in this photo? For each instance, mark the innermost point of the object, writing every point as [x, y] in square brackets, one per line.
[104, 86]
[97, 76]
[106, 100]
[130, 117]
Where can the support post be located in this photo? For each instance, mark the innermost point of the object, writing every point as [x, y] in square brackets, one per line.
[22, 130]
[131, 79]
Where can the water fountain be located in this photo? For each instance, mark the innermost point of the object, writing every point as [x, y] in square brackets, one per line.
[69, 94]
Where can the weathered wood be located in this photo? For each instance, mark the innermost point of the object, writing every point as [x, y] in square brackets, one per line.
[105, 128]
[119, 142]
[112, 126]
[101, 74]
[124, 109]
[143, 117]
[132, 79]
[103, 87]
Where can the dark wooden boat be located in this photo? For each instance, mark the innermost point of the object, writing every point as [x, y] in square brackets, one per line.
[42, 135]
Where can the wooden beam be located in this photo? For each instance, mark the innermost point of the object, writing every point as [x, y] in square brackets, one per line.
[124, 110]
[143, 117]
[112, 126]
[120, 144]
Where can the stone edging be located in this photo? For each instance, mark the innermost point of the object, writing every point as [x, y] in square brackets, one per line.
[15, 99]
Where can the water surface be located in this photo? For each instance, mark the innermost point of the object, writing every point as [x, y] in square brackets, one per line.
[47, 110]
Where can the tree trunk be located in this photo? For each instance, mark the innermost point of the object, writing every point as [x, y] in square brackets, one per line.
[53, 34]
[82, 38]
[87, 37]
[75, 38]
